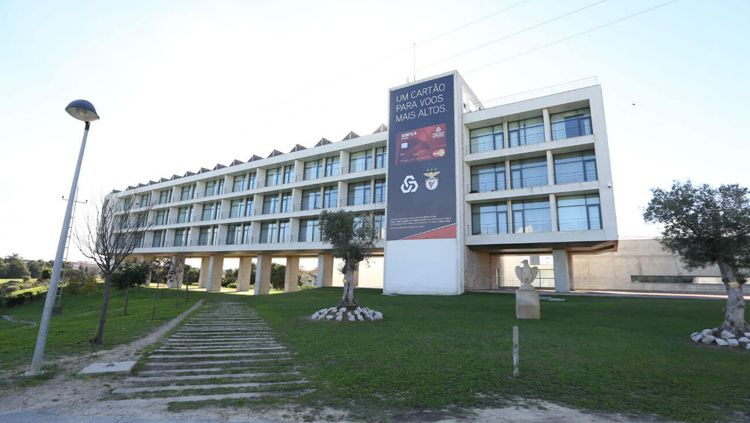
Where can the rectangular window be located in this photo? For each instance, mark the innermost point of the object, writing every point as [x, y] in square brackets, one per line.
[208, 211]
[526, 132]
[286, 202]
[234, 234]
[238, 184]
[184, 214]
[489, 219]
[330, 197]
[313, 169]
[380, 161]
[235, 208]
[210, 188]
[379, 192]
[158, 240]
[378, 223]
[144, 200]
[575, 123]
[288, 174]
[164, 196]
[161, 217]
[309, 230]
[311, 199]
[181, 237]
[270, 203]
[486, 139]
[575, 167]
[531, 216]
[246, 233]
[273, 177]
[487, 178]
[359, 161]
[284, 231]
[579, 213]
[529, 173]
[267, 232]
[359, 194]
[249, 206]
[333, 166]
[251, 181]
[217, 211]
[220, 186]
[186, 193]
[203, 236]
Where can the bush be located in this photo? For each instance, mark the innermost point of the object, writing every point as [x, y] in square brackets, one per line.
[79, 282]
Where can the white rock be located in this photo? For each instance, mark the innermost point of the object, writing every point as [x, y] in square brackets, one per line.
[707, 332]
[721, 342]
[697, 336]
[747, 346]
[342, 309]
[339, 318]
[725, 334]
[360, 318]
[733, 342]
[747, 334]
[708, 339]
[378, 315]
[369, 317]
[351, 318]
[315, 316]
[744, 339]
[329, 317]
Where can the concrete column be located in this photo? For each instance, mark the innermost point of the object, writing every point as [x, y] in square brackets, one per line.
[553, 212]
[550, 168]
[291, 274]
[509, 206]
[215, 272]
[343, 192]
[547, 126]
[507, 174]
[561, 263]
[263, 274]
[203, 275]
[243, 274]
[324, 275]
[506, 137]
[344, 163]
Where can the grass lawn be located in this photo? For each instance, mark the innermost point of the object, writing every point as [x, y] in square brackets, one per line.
[71, 331]
[610, 354]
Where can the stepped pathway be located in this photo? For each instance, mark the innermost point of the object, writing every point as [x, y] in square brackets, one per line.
[225, 351]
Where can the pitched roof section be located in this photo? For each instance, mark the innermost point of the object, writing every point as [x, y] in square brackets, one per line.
[189, 173]
[254, 158]
[163, 180]
[322, 141]
[175, 177]
[298, 148]
[381, 128]
[236, 162]
[203, 170]
[351, 135]
[219, 166]
[275, 153]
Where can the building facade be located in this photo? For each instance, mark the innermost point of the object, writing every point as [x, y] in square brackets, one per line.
[532, 177]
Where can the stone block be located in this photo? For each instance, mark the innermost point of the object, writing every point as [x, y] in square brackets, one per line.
[108, 368]
[527, 304]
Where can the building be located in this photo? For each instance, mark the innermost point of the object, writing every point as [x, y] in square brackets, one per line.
[531, 178]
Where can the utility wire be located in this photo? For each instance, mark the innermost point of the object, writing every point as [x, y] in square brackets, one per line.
[590, 30]
[513, 34]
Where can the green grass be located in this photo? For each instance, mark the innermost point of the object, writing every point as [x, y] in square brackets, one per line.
[71, 332]
[605, 354]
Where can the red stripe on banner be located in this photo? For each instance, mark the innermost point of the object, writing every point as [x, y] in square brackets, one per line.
[439, 233]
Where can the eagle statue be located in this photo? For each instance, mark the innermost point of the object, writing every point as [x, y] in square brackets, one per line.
[526, 274]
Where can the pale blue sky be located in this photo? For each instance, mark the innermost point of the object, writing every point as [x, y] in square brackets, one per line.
[181, 85]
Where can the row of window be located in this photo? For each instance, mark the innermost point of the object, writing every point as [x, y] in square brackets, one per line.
[569, 168]
[570, 124]
[574, 213]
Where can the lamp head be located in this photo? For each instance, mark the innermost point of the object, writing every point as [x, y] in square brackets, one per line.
[82, 110]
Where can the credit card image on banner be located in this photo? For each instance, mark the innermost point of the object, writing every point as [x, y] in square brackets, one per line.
[421, 144]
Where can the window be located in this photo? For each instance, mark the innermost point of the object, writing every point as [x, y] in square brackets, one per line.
[273, 177]
[489, 219]
[579, 213]
[246, 233]
[210, 188]
[575, 123]
[288, 174]
[531, 216]
[486, 139]
[164, 196]
[380, 157]
[186, 193]
[270, 204]
[311, 199]
[251, 181]
[489, 177]
[525, 132]
[127, 202]
[249, 206]
[283, 231]
[378, 223]
[235, 208]
[144, 200]
[158, 240]
[359, 161]
[575, 167]
[333, 166]
[286, 202]
[379, 192]
[359, 194]
[528, 173]
[161, 217]
[208, 211]
[220, 186]
[184, 214]
[234, 234]
[203, 235]
[238, 184]
[181, 237]
[267, 232]
[330, 197]
[313, 169]
[309, 230]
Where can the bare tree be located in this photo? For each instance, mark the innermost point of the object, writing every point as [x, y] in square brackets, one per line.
[118, 230]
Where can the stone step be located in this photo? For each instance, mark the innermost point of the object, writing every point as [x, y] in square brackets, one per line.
[210, 397]
[197, 342]
[240, 362]
[203, 387]
[206, 370]
[209, 356]
[224, 347]
[219, 352]
[174, 378]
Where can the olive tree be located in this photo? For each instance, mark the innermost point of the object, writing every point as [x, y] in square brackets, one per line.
[708, 226]
[352, 238]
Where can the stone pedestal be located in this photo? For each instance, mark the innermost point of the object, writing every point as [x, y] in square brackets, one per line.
[527, 304]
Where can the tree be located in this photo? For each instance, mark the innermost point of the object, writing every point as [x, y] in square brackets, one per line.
[130, 275]
[191, 275]
[708, 226]
[115, 234]
[352, 238]
[277, 275]
[230, 277]
[15, 267]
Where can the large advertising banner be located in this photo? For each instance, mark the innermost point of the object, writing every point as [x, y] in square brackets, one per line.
[421, 168]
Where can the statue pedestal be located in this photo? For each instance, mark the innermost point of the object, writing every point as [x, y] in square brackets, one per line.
[527, 304]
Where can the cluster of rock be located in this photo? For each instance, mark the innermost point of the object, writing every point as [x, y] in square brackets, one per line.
[724, 338]
[359, 314]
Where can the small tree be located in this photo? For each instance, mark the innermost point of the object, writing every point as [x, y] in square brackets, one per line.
[352, 238]
[708, 226]
[130, 275]
[115, 234]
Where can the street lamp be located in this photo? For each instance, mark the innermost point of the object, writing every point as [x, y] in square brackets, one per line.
[84, 111]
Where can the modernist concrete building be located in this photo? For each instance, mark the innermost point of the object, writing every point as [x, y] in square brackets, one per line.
[533, 178]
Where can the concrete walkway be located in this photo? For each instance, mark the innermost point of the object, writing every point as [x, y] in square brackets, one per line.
[616, 294]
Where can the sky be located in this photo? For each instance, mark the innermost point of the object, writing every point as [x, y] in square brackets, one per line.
[181, 85]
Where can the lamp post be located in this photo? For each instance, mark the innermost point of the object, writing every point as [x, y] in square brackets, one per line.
[83, 111]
